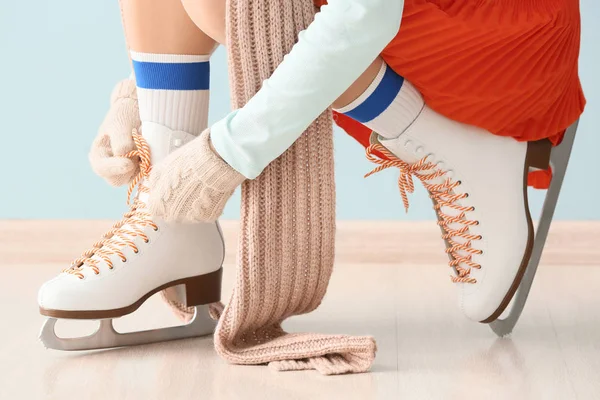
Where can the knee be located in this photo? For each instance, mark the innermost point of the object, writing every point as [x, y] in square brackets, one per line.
[209, 16]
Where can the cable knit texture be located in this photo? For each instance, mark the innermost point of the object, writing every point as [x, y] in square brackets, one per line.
[287, 232]
[192, 184]
[114, 137]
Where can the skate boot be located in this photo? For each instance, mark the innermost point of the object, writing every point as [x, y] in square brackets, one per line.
[478, 184]
[138, 257]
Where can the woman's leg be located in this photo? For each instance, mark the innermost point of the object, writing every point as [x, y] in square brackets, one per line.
[170, 56]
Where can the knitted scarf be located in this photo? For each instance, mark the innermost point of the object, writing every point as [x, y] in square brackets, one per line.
[287, 232]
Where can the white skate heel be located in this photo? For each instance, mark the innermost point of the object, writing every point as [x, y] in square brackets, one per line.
[138, 257]
[478, 184]
[559, 160]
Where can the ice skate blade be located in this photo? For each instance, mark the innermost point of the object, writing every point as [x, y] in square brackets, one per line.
[559, 161]
[107, 337]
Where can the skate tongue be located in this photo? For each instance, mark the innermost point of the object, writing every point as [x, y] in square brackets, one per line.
[163, 140]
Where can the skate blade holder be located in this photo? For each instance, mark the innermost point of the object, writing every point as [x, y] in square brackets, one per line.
[106, 336]
[559, 160]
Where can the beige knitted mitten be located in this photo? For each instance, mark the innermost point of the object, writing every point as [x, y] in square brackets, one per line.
[192, 184]
[114, 138]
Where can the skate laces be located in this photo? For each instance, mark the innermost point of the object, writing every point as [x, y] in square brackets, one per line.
[443, 196]
[123, 233]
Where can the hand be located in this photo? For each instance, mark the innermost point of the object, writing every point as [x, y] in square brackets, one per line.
[114, 140]
[192, 184]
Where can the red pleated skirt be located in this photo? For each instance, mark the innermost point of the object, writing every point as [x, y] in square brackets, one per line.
[508, 66]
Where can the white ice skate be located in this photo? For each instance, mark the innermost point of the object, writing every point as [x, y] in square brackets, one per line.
[138, 257]
[478, 184]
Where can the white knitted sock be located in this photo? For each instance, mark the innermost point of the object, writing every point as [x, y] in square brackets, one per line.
[173, 90]
[388, 106]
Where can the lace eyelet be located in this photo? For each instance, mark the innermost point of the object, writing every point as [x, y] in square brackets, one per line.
[147, 241]
[136, 251]
[123, 260]
[155, 229]
[479, 237]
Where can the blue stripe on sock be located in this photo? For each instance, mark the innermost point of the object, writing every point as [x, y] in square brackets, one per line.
[172, 76]
[380, 99]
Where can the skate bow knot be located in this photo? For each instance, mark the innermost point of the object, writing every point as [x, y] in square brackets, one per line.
[405, 180]
[123, 233]
[455, 227]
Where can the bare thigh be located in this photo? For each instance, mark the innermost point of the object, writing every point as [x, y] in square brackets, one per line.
[163, 27]
[209, 16]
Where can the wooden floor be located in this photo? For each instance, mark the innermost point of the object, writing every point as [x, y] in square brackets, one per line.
[391, 281]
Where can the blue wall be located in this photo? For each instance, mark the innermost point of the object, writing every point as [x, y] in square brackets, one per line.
[60, 61]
